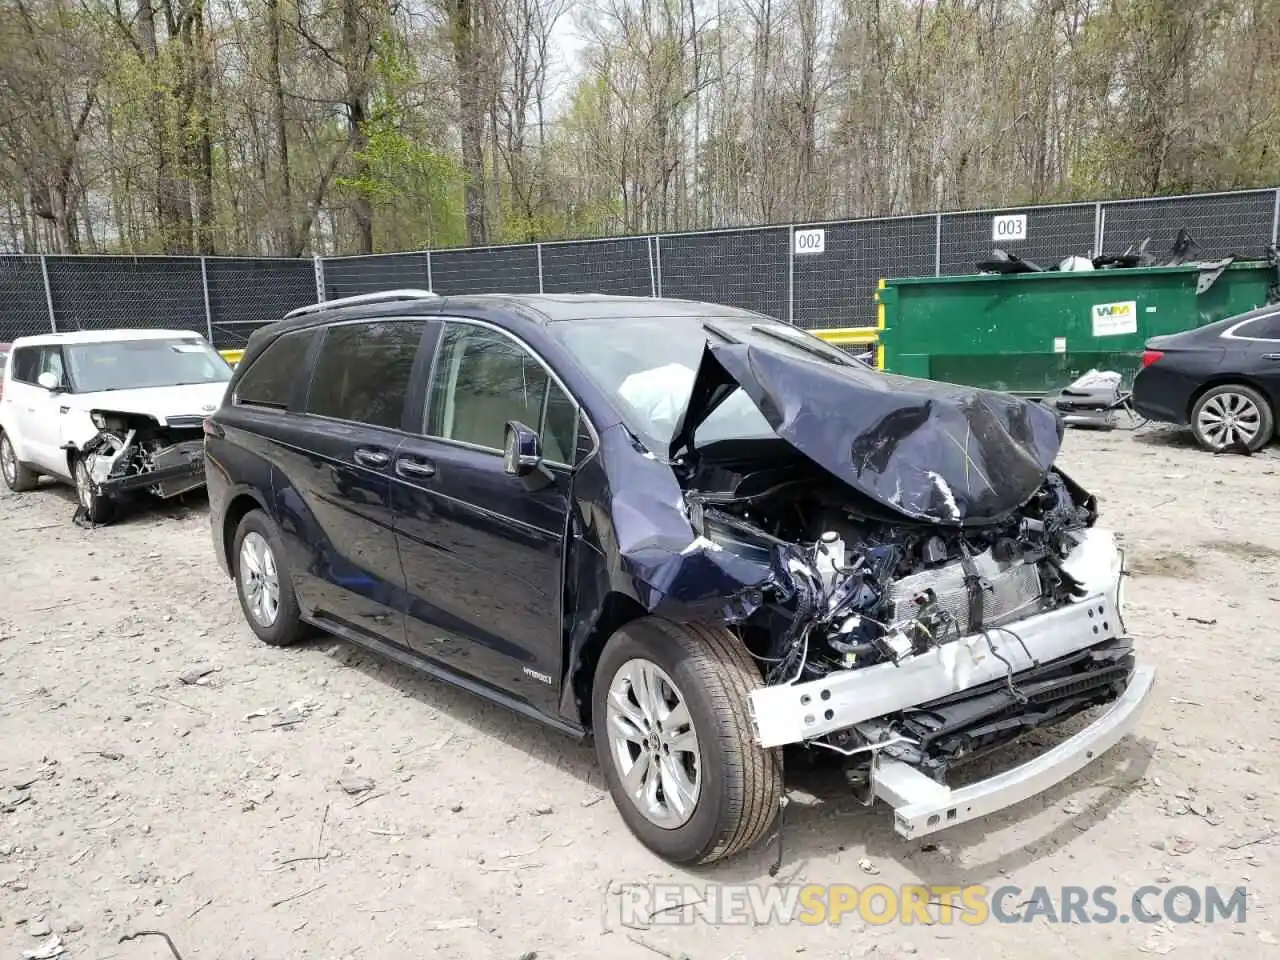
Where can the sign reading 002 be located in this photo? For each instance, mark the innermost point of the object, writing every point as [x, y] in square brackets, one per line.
[810, 241]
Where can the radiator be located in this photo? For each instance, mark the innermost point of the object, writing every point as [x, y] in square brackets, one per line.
[1015, 592]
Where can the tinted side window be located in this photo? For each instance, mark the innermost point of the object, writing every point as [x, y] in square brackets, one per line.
[1264, 328]
[271, 379]
[26, 364]
[483, 379]
[362, 373]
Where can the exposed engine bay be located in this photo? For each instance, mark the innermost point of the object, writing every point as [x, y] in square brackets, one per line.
[856, 586]
[916, 579]
[866, 587]
[136, 452]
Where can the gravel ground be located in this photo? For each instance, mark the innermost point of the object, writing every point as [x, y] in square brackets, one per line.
[319, 802]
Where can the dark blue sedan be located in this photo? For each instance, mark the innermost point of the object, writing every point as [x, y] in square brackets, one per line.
[1222, 380]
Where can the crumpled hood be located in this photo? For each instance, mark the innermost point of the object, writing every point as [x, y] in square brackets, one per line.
[185, 400]
[928, 450]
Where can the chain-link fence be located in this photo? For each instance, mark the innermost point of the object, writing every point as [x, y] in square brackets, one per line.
[99, 293]
[744, 268]
[815, 275]
[349, 276]
[1224, 225]
[1052, 234]
[625, 267]
[23, 308]
[833, 288]
[244, 294]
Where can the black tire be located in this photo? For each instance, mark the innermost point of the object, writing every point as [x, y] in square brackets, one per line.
[97, 508]
[1224, 395]
[740, 786]
[17, 477]
[287, 626]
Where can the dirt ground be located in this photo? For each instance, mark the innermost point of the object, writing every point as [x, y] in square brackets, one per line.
[218, 810]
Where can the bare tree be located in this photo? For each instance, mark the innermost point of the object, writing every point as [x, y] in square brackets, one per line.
[467, 35]
[350, 126]
[48, 92]
[525, 29]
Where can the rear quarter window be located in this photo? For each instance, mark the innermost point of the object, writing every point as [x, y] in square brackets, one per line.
[26, 364]
[272, 378]
[1264, 328]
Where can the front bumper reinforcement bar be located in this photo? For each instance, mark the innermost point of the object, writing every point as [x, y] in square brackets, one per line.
[923, 806]
[793, 713]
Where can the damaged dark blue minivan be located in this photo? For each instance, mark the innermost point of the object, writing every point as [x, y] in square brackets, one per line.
[693, 532]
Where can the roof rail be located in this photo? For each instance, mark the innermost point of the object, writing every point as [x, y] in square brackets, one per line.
[382, 296]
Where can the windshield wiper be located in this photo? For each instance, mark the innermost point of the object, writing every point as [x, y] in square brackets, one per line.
[726, 337]
[801, 343]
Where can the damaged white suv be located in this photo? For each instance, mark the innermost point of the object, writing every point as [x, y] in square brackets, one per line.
[110, 411]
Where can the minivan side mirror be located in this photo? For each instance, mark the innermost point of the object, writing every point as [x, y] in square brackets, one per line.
[522, 453]
[49, 381]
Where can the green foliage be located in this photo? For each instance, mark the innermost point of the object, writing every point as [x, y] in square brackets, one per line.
[415, 188]
[919, 105]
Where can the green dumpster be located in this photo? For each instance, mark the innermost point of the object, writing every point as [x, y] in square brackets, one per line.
[1035, 332]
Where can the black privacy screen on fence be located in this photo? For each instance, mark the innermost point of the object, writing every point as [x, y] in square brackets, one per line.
[836, 288]
[1052, 235]
[99, 293]
[245, 294]
[350, 276]
[485, 270]
[1222, 226]
[623, 267]
[23, 308]
[742, 268]
[817, 276]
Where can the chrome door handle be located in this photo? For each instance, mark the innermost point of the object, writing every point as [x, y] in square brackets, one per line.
[1271, 356]
[416, 469]
[371, 458]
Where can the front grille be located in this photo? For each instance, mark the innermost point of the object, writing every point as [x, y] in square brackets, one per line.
[1015, 592]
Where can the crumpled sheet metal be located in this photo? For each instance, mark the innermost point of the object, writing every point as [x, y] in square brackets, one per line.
[672, 568]
[930, 451]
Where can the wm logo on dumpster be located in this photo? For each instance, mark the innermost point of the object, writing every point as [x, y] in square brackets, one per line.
[1113, 310]
[1115, 319]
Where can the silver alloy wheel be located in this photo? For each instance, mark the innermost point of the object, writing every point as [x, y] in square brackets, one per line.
[259, 578]
[653, 743]
[84, 487]
[8, 462]
[1227, 418]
